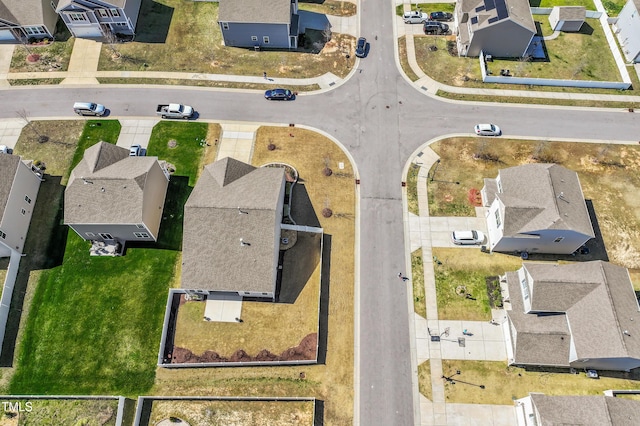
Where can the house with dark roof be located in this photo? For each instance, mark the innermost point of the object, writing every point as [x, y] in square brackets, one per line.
[579, 315]
[112, 197]
[22, 20]
[99, 18]
[232, 227]
[502, 28]
[259, 23]
[567, 18]
[593, 410]
[19, 185]
[627, 29]
[536, 208]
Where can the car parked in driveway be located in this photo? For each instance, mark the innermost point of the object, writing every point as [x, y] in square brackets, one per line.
[435, 27]
[135, 151]
[487, 129]
[415, 17]
[440, 16]
[362, 47]
[279, 95]
[467, 238]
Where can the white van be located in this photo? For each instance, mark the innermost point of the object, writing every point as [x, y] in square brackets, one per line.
[415, 17]
[88, 108]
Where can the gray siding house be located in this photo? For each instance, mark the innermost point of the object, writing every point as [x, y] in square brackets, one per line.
[567, 18]
[597, 410]
[627, 28]
[112, 197]
[579, 315]
[19, 186]
[536, 208]
[231, 239]
[270, 24]
[502, 28]
[99, 18]
[21, 20]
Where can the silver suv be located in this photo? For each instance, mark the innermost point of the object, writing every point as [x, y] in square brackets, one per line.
[88, 108]
[414, 17]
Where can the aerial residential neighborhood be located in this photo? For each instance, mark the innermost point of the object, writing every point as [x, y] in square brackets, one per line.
[438, 227]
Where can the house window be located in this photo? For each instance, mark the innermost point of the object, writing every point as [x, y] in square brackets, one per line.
[140, 226]
[115, 12]
[53, 6]
[89, 234]
[27, 199]
[106, 236]
[141, 235]
[103, 13]
[34, 30]
[498, 221]
[265, 39]
[225, 25]
[77, 17]
[254, 38]
[557, 240]
[3, 235]
[525, 289]
[499, 183]
[23, 211]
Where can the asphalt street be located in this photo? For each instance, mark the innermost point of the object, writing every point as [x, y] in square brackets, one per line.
[381, 119]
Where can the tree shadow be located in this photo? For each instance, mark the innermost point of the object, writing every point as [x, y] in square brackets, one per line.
[153, 23]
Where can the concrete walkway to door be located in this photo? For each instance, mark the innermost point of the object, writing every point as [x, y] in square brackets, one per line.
[84, 62]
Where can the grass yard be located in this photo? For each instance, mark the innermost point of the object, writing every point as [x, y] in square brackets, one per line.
[613, 7]
[52, 57]
[52, 412]
[424, 380]
[428, 7]
[551, 3]
[183, 36]
[331, 381]
[412, 189]
[468, 268]
[602, 168]
[203, 83]
[505, 384]
[329, 7]
[417, 279]
[239, 413]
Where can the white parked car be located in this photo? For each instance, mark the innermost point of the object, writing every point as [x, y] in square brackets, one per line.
[487, 129]
[415, 17]
[135, 151]
[4, 149]
[467, 238]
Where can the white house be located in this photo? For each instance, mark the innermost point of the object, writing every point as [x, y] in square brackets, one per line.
[627, 28]
[19, 186]
[536, 208]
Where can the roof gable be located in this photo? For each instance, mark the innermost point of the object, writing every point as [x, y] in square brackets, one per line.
[8, 168]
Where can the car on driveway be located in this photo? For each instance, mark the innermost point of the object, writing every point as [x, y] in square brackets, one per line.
[467, 238]
[279, 95]
[362, 47]
[440, 16]
[415, 17]
[435, 27]
[487, 129]
[135, 151]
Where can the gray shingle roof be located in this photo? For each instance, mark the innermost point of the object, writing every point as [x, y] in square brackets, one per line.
[26, 12]
[8, 168]
[585, 410]
[232, 201]
[117, 3]
[542, 196]
[518, 11]
[259, 11]
[594, 302]
[572, 13]
[107, 186]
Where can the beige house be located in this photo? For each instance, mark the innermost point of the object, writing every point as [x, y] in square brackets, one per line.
[579, 315]
[231, 239]
[19, 185]
[113, 197]
[22, 20]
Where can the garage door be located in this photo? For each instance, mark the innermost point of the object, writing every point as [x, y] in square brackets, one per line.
[88, 31]
[6, 35]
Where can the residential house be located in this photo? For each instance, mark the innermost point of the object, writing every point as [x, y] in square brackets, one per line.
[567, 18]
[19, 185]
[502, 28]
[579, 315]
[22, 20]
[536, 208]
[113, 197]
[99, 18]
[258, 24]
[593, 410]
[231, 238]
[627, 28]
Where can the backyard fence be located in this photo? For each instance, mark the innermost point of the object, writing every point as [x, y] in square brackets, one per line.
[547, 11]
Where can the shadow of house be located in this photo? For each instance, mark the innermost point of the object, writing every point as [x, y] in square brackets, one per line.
[154, 22]
[298, 264]
[302, 210]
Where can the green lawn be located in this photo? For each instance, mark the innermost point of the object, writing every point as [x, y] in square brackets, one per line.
[190, 142]
[417, 279]
[428, 7]
[551, 3]
[96, 324]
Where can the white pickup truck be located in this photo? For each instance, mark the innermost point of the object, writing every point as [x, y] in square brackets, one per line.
[174, 111]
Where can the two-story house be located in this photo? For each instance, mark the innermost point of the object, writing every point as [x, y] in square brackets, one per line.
[99, 18]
